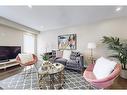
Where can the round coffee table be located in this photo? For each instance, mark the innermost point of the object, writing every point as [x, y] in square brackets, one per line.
[51, 75]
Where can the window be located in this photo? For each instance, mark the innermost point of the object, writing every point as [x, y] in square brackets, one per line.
[29, 43]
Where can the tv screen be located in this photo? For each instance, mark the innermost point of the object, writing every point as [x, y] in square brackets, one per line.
[9, 52]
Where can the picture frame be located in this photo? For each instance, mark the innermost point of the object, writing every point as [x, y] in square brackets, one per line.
[67, 42]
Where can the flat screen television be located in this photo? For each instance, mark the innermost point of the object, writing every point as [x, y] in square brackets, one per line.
[9, 52]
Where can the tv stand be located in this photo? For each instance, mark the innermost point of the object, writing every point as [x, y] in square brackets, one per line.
[10, 63]
[4, 60]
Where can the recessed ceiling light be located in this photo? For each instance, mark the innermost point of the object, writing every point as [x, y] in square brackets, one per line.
[118, 9]
[30, 6]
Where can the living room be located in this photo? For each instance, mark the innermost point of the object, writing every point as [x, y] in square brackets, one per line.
[40, 30]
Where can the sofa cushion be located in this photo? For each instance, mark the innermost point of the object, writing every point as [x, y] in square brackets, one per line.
[61, 60]
[72, 57]
[72, 63]
[66, 54]
[103, 67]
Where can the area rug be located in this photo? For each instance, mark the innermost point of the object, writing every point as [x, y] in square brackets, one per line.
[73, 81]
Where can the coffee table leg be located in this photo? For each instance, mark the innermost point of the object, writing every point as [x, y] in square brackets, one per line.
[52, 81]
[61, 79]
[41, 81]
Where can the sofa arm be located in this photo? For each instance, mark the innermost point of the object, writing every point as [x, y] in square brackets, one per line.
[79, 60]
[54, 59]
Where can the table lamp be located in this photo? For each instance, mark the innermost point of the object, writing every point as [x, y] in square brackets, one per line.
[91, 46]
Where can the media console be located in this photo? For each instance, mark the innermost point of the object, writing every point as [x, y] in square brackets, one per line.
[8, 55]
[10, 63]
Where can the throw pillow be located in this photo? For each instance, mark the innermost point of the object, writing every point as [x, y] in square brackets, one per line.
[74, 55]
[103, 67]
[59, 53]
[25, 58]
[66, 54]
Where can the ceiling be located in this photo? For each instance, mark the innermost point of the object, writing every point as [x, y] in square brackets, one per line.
[44, 18]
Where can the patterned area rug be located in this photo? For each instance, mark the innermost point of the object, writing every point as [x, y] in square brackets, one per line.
[73, 80]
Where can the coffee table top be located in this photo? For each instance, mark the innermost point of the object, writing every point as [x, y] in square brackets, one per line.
[51, 68]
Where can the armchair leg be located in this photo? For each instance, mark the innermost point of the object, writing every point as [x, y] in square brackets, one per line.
[35, 67]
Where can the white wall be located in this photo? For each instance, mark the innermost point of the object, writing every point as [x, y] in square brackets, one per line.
[86, 33]
[13, 37]
[10, 36]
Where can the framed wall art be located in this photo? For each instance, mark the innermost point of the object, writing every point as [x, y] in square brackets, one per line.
[67, 42]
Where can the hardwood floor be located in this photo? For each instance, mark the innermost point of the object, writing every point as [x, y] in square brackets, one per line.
[118, 84]
[9, 72]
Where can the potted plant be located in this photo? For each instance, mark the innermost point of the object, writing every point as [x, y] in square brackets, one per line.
[120, 53]
[45, 58]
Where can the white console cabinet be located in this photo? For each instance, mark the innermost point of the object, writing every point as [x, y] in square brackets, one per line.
[12, 62]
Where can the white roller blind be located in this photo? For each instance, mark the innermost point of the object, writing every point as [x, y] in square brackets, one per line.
[29, 43]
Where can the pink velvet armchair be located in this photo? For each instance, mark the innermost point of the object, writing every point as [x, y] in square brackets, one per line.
[35, 59]
[30, 63]
[101, 83]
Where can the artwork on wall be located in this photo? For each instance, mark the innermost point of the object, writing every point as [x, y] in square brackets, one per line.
[67, 41]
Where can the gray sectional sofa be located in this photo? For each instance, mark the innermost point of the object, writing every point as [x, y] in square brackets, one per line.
[75, 62]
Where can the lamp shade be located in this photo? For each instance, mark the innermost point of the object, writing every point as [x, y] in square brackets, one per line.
[91, 45]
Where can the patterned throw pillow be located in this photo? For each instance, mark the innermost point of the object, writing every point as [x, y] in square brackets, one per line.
[74, 55]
